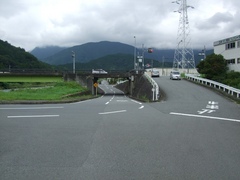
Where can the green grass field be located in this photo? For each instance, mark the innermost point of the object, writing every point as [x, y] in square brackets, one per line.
[45, 88]
[56, 92]
[31, 79]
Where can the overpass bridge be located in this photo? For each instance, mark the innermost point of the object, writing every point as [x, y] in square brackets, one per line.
[90, 80]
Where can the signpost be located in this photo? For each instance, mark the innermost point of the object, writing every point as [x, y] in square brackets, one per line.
[95, 86]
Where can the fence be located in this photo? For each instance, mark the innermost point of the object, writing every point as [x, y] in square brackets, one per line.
[230, 90]
[155, 89]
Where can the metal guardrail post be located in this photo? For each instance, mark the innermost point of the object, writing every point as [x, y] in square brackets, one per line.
[230, 90]
[155, 86]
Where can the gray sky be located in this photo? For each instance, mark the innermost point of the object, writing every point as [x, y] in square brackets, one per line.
[31, 23]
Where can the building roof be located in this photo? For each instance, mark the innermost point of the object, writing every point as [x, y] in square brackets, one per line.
[228, 40]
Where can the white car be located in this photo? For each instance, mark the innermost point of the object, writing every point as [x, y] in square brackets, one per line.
[98, 71]
[155, 73]
[175, 75]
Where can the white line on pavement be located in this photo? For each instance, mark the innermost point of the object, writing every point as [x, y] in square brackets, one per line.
[141, 107]
[208, 117]
[25, 108]
[136, 102]
[112, 112]
[33, 116]
[122, 100]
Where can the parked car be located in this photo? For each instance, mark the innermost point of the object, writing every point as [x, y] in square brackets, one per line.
[175, 75]
[155, 73]
[98, 71]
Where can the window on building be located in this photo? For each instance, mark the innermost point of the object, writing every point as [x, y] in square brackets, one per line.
[238, 60]
[230, 45]
[231, 61]
[238, 44]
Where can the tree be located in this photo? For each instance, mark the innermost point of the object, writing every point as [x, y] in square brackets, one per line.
[213, 67]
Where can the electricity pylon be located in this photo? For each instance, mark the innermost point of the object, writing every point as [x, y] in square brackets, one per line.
[183, 56]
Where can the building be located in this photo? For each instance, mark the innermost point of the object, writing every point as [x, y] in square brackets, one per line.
[230, 49]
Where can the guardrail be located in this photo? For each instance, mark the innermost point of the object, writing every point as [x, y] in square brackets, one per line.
[155, 89]
[230, 90]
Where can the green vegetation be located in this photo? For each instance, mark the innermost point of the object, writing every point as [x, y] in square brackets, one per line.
[214, 67]
[31, 79]
[21, 85]
[18, 58]
[144, 98]
[59, 91]
[232, 79]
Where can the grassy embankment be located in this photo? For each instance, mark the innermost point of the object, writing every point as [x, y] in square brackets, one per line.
[45, 89]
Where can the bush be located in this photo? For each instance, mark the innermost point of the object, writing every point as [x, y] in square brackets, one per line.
[214, 67]
[232, 79]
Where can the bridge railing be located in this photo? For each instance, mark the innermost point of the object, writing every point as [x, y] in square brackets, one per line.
[230, 90]
[155, 89]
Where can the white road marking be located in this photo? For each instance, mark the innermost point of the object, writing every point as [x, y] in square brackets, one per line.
[122, 100]
[29, 108]
[206, 111]
[212, 102]
[110, 100]
[208, 117]
[33, 116]
[136, 102]
[212, 106]
[113, 112]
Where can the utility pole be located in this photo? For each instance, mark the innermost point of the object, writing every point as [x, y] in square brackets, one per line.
[143, 57]
[135, 54]
[183, 56]
[73, 57]
[163, 59]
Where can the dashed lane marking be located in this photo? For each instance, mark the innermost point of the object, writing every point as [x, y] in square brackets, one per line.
[34, 116]
[29, 108]
[113, 112]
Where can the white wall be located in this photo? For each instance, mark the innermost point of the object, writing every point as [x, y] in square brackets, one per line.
[229, 54]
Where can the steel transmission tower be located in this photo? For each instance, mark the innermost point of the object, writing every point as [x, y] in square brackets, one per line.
[183, 56]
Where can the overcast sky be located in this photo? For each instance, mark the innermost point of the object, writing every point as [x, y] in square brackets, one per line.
[31, 23]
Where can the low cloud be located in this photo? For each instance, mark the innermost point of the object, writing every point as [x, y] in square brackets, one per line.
[29, 24]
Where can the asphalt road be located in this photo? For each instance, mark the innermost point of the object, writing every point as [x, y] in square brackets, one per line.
[192, 134]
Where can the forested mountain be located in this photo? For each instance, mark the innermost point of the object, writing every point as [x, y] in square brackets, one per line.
[95, 50]
[115, 62]
[47, 51]
[89, 51]
[18, 58]
[105, 55]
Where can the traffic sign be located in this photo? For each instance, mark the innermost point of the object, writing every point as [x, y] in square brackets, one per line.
[95, 85]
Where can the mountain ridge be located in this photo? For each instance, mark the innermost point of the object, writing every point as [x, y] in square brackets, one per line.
[46, 51]
[94, 50]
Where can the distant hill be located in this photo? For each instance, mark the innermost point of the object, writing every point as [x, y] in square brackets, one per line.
[18, 58]
[89, 51]
[95, 50]
[44, 52]
[115, 62]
